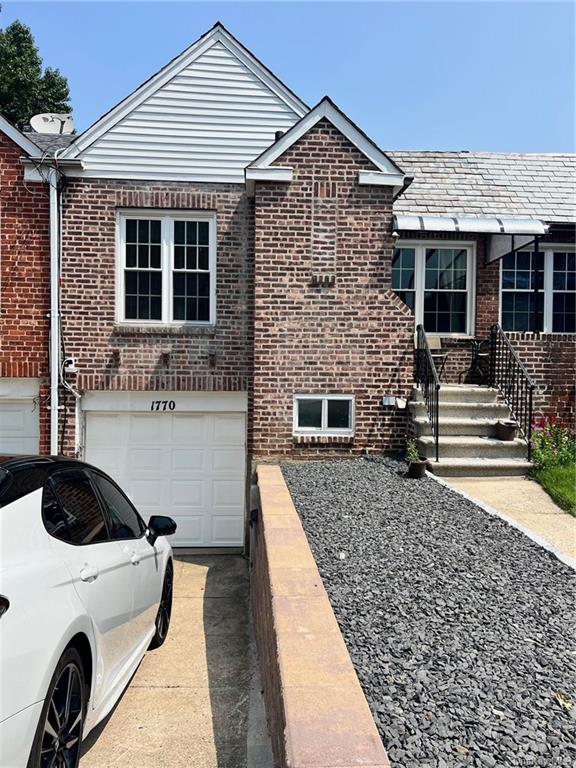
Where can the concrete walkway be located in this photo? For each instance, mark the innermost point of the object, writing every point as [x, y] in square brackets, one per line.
[189, 702]
[526, 502]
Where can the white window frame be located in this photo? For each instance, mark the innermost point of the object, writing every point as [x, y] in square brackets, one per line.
[420, 247]
[167, 219]
[547, 292]
[323, 430]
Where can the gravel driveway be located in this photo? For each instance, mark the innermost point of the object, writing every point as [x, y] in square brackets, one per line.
[461, 629]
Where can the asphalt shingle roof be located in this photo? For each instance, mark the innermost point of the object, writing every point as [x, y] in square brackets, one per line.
[50, 142]
[539, 186]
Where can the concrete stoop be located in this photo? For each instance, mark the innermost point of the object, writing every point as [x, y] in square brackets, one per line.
[467, 416]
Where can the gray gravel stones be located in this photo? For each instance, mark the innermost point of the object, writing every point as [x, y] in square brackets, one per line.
[461, 629]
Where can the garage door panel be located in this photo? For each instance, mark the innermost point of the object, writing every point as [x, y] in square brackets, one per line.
[147, 429]
[227, 530]
[190, 466]
[189, 460]
[188, 494]
[19, 429]
[101, 427]
[189, 429]
[229, 429]
[144, 460]
[190, 531]
[227, 493]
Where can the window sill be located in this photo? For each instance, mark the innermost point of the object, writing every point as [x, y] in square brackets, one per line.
[162, 329]
[323, 439]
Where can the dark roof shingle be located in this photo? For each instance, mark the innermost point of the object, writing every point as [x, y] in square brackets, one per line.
[539, 186]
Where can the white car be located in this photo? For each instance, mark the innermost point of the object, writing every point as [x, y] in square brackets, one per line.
[85, 590]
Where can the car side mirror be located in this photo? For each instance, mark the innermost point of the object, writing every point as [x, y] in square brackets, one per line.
[159, 525]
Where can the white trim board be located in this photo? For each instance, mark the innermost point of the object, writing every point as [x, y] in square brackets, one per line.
[387, 172]
[19, 138]
[218, 34]
[185, 401]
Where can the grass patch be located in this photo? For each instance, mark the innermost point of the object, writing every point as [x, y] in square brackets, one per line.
[559, 482]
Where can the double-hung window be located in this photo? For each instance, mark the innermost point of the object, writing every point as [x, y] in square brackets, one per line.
[167, 268]
[324, 414]
[436, 281]
[553, 271]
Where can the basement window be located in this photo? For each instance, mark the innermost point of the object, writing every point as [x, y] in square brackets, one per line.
[323, 414]
[166, 268]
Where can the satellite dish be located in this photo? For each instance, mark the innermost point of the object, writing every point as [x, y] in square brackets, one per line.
[52, 122]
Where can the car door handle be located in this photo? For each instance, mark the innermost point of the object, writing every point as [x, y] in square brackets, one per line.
[135, 558]
[89, 573]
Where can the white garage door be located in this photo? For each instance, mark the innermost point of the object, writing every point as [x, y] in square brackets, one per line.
[190, 466]
[19, 430]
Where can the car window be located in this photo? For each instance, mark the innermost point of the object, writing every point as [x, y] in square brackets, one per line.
[124, 521]
[73, 512]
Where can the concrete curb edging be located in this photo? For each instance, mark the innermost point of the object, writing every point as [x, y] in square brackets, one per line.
[318, 716]
[496, 513]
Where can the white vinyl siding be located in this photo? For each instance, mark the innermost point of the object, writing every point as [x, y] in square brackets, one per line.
[205, 124]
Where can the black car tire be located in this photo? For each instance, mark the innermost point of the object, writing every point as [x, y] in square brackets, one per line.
[62, 718]
[162, 622]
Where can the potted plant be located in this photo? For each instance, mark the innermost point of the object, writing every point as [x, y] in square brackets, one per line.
[506, 429]
[416, 463]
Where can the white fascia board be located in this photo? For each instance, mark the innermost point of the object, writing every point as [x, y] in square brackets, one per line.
[380, 179]
[19, 138]
[216, 35]
[269, 174]
[325, 109]
[32, 167]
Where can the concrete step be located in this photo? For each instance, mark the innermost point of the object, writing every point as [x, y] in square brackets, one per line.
[457, 426]
[461, 393]
[471, 447]
[458, 410]
[467, 393]
[480, 467]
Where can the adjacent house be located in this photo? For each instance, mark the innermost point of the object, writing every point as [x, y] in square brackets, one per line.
[24, 298]
[241, 276]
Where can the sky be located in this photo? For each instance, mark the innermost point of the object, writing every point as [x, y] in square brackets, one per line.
[493, 76]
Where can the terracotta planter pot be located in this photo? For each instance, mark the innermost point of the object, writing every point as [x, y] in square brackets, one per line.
[506, 430]
[417, 469]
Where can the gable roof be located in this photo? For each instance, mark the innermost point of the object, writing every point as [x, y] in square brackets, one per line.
[18, 137]
[217, 35]
[387, 171]
[541, 186]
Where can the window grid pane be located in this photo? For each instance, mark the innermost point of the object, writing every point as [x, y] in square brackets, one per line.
[445, 294]
[191, 281]
[564, 292]
[403, 271]
[191, 274]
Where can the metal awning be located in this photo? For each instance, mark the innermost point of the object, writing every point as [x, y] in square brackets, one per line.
[486, 224]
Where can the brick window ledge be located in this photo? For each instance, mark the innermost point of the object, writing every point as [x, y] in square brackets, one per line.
[323, 439]
[125, 329]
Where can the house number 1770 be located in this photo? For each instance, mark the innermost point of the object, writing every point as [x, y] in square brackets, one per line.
[162, 405]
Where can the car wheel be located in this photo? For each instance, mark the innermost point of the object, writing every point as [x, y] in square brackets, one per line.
[59, 733]
[164, 609]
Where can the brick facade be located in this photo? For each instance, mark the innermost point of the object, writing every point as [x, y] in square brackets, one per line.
[112, 356]
[325, 318]
[24, 277]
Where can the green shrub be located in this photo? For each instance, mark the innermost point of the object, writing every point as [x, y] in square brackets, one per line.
[553, 444]
[412, 454]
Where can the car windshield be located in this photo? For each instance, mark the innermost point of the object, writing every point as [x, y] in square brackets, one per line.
[6, 478]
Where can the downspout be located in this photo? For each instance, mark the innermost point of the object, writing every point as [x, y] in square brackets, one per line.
[54, 309]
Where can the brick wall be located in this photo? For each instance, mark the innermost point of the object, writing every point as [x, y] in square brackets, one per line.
[325, 319]
[110, 356]
[24, 277]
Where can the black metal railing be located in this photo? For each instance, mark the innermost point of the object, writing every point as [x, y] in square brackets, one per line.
[428, 381]
[510, 377]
